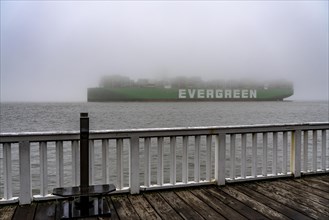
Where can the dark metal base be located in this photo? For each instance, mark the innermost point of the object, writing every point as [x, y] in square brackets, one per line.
[96, 206]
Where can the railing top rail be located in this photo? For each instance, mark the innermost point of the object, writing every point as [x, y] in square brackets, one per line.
[159, 132]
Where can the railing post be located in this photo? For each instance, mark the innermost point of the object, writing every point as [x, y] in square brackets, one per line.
[285, 146]
[208, 157]
[315, 151]
[59, 164]
[185, 160]
[295, 153]
[243, 155]
[264, 160]
[232, 156]
[275, 153]
[160, 162]
[119, 148]
[43, 169]
[254, 155]
[91, 162]
[323, 153]
[75, 163]
[220, 158]
[147, 162]
[7, 171]
[134, 165]
[25, 193]
[197, 159]
[173, 160]
[305, 151]
[105, 162]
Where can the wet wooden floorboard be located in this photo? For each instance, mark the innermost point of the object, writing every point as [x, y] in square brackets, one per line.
[305, 198]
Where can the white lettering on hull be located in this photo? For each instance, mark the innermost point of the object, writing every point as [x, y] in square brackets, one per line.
[217, 93]
[210, 94]
[182, 94]
[191, 93]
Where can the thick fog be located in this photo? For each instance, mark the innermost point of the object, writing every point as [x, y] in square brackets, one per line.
[55, 50]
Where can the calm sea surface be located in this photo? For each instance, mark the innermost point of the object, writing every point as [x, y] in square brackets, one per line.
[17, 117]
[28, 117]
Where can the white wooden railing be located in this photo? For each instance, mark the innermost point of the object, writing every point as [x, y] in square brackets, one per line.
[146, 159]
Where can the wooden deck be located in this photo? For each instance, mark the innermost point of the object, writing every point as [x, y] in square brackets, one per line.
[305, 198]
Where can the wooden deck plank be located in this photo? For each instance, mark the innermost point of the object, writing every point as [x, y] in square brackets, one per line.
[317, 179]
[161, 206]
[142, 207]
[254, 204]
[304, 200]
[287, 211]
[306, 188]
[311, 183]
[45, 210]
[286, 201]
[235, 204]
[114, 214]
[217, 204]
[180, 206]
[323, 177]
[124, 207]
[198, 205]
[299, 191]
[25, 212]
[320, 181]
[7, 212]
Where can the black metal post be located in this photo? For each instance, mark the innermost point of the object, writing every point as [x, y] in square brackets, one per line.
[84, 151]
[84, 163]
[89, 202]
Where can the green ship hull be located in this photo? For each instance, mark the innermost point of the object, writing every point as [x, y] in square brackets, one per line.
[104, 94]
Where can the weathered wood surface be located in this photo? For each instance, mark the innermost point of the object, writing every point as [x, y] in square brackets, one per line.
[305, 198]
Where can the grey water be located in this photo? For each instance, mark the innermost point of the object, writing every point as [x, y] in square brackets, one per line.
[39, 117]
[28, 117]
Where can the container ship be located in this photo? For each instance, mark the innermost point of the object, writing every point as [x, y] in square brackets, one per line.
[120, 88]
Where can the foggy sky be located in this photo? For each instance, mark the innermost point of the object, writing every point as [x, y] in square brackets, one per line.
[55, 50]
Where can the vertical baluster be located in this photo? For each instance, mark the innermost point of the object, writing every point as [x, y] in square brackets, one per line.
[147, 162]
[91, 162]
[220, 151]
[160, 162]
[119, 150]
[315, 150]
[208, 157]
[232, 156]
[197, 159]
[134, 165]
[285, 152]
[8, 192]
[264, 161]
[275, 153]
[75, 163]
[305, 151]
[25, 190]
[59, 164]
[105, 163]
[185, 160]
[173, 160]
[254, 155]
[243, 155]
[43, 168]
[323, 153]
[295, 153]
